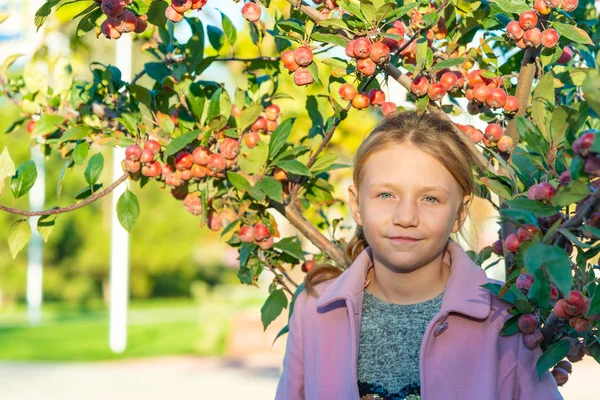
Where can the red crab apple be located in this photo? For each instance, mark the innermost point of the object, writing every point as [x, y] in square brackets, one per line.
[567, 366]
[419, 86]
[583, 143]
[112, 8]
[528, 19]
[181, 6]
[302, 77]
[350, 48]
[347, 91]
[376, 97]
[361, 100]
[147, 156]
[533, 339]
[260, 231]
[246, 234]
[272, 112]
[141, 24]
[133, 152]
[566, 56]
[152, 169]
[267, 243]
[183, 160]
[260, 125]
[569, 5]
[512, 242]
[200, 155]
[127, 21]
[213, 221]
[280, 175]
[553, 293]
[543, 191]
[514, 30]
[496, 98]
[575, 303]
[230, 148]
[132, 166]
[366, 66]
[173, 15]
[308, 265]
[541, 7]
[505, 144]
[493, 132]
[524, 282]
[388, 109]
[532, 37]
[560, 376]
[251, 139]
[549, 38]
[436, 91]
[289, 60]
[380, 53]
[527, 323]
[559, 309]
[362, 47]
[216, 162]
[480, 92]
[109, 28]
[526, 232]
[449, 80]
[198, 4]
[251, 12]
[511, 105]
[303, 56]
[152, 145]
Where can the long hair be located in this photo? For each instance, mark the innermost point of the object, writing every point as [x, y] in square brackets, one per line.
[428, 132]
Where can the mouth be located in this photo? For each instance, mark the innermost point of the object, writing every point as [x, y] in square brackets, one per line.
[404, 239]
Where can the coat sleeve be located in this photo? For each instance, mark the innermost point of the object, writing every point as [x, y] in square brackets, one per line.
[291, 381]
[528, 385]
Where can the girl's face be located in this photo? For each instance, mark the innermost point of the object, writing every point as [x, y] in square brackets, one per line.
[406, 192]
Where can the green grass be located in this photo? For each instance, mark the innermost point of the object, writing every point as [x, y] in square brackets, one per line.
[160, 327]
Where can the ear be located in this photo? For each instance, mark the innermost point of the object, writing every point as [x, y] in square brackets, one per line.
[354, 205]
[460, 219]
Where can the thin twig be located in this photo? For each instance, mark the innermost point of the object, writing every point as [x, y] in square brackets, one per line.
[53, 211]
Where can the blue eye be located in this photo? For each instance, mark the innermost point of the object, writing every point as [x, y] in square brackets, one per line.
[431, 197]
[383, 193]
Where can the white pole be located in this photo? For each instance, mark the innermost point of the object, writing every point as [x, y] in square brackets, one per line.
[119, 255]
[35, 247]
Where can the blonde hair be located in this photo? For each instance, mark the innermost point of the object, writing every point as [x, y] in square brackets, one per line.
[428, 132]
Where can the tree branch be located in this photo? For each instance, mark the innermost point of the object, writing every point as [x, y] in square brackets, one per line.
[85, 202]
[290, 212]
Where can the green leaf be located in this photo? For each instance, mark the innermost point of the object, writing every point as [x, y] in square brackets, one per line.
[333, 23]
[570, 194]
[552, 356]
[294, 167]
[280, 136]
[249, 115]
[497, 187]
[543, 99]
[228, 28]
[23, 179]
[128, 210]
[538, 208]
[314, 72]
[512, 6]
[80, 152]
[19, 234]
[274, 305]
[595, 303]
[179, 143]
[215, 37]
[290, 246]
[573, 33]
[43, 12]
[7, 168]
[75, 133]
[88, 22]
[253, 160]
[511, 326]
[94, 168]
[328, 38]
[451, 62]
[87, 191]
[156, 70]
[272, 188]
[45, 225]
[238, 181]
[323, 162]
[539, 292]
[35, 79]
[556, 262]
[156, 13]
[47, 123]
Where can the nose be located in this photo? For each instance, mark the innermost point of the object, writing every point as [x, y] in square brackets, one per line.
[406, 213]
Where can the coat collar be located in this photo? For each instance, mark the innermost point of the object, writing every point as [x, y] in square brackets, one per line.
[463, 294]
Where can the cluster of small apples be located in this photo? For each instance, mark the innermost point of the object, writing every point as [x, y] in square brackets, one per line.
[120, 19]
[215, 220]
[175, 12]
[362, 100]
[492, 137]
[445, 81]
[525, 32]
[297, 61]
[367, 54]
[524, 233]
[576, 309]
[265, 123]
[258, 233]
[330, 5]
[484, 93]
[582, 146]
[561, 372]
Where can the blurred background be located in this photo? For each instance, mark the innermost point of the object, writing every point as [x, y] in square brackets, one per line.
[192, 330]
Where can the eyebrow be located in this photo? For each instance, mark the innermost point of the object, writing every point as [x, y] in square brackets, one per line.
[423, 188]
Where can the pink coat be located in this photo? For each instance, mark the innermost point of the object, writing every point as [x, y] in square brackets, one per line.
[462, 355]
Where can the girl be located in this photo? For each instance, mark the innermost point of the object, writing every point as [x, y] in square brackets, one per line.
[409, 317]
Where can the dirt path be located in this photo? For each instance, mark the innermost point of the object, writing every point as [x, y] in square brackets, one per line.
[181, 378]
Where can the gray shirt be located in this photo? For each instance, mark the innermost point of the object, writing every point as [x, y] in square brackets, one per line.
[390, 343]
